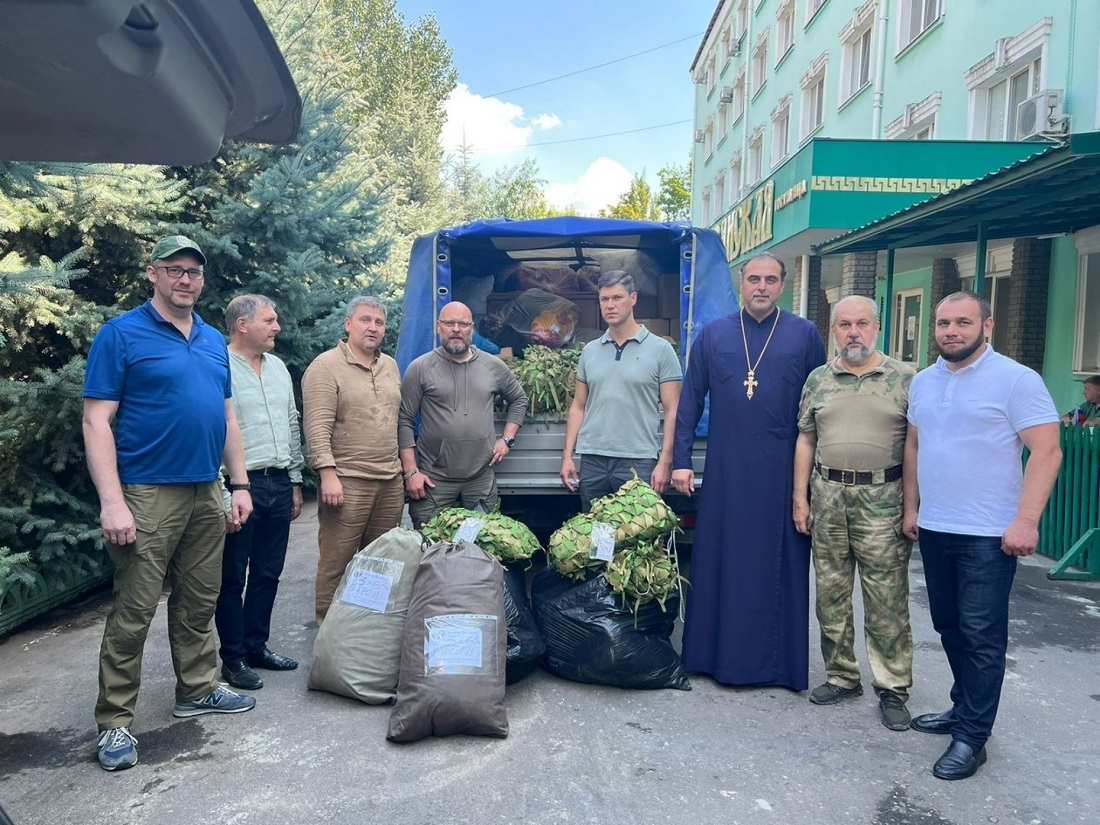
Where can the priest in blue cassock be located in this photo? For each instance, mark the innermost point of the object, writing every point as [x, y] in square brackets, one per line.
[747, 620]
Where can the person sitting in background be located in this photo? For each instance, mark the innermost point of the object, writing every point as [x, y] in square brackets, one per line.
[1089, 412]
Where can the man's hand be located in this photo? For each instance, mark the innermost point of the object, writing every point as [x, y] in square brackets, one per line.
[416, 486]
[568, 474]
[684, 481]
[500, 449]
[231, 526]
[801, 512]
[240, 507]
[332, 491]
[661, 475]
[909, 525]
[295, 501]
[118, 524]
[1020, 538]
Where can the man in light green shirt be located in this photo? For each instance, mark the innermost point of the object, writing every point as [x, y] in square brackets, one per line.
[263, 397]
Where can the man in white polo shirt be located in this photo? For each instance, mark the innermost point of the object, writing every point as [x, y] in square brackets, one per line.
[614, 421]
[974, 509]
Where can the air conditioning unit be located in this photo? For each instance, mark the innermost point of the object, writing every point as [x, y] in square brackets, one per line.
[698, 135]
[1040, 113]
[727, 95]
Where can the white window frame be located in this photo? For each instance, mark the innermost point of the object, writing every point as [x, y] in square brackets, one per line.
[895, 346]
[813, 96]
[781, 131]
[784, 30]
[708, 138]
[756, 157]
[741, 19]
[723, 121]
[917, 119]
[998, 270]
[736, 178]
[720, 194]
[1088, 246]
[739, 102]
[1010, 56]
[725, 52]
[930, 12]
[705, 208]
[712, 73]
[812, 8]
[858, 31]
[759, 64]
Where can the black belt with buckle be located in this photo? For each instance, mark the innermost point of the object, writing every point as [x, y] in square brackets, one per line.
[861, 476]
[270, 471]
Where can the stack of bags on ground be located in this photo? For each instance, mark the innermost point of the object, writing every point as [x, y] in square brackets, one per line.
[440, 631]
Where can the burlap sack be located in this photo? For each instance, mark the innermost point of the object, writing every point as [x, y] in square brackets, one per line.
[357, 652]
[453, 652]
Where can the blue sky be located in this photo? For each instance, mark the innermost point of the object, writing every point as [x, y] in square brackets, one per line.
[498, 46]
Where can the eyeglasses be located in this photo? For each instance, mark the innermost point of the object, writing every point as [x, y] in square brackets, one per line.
[456, 324]
[177, 272]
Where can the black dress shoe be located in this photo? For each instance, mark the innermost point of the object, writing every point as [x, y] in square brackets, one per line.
[934, 722]
[267, 660]
[240, 675]
[959, 761]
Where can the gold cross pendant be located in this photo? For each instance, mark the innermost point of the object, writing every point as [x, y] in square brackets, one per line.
[750, 382]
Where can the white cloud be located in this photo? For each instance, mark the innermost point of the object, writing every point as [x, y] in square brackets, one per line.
[488, 124]
[599, 186]
[546, 121]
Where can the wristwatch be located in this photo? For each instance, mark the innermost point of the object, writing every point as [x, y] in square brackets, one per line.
[509, 442]
[233, 488]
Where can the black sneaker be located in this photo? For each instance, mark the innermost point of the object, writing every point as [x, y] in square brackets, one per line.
[894, 713]
[241, 676]
[830, 694]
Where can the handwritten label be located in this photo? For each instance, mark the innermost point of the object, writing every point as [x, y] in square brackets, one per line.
[368, 589]
[451, 647]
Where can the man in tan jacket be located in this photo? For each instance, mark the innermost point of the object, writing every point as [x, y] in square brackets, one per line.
[351, 395]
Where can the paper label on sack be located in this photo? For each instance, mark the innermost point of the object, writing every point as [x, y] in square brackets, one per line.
[371, 582]
[469, 530]
[451, 647]
[603, 541]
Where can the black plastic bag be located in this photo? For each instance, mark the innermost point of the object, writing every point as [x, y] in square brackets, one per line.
[525, 645]
[591, 637]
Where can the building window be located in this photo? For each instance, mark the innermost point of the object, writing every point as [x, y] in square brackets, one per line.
[708, 139]
[857, 60]
[738, 102]
[812, 7]
[760, 63]
[784, 30]
[1002, 99]
[756, 156]
[741, 19]
[916, 16]
[813, 96]
[719, 195]
[1086, 357]
[735, 179]
[917, 122]
[723, 120]
[712, 74]
[707, 216]
[781, 131]
[724, 52]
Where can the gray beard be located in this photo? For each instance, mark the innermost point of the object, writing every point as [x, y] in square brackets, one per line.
[456, 347]
[859, 357]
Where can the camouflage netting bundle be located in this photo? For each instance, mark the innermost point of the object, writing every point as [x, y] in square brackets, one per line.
[500, 536]
[570, 547]
[644, 573]
[637, 512]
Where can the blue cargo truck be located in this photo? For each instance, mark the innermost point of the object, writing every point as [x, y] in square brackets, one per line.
[683, 281]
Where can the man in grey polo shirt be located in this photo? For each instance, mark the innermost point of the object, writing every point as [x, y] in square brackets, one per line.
[624, 379]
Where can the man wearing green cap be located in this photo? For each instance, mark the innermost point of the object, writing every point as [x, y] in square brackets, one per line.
[158, 424]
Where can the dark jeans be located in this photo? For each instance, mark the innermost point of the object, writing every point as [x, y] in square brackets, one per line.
[969, 579]
[255, 553]
[602, 475]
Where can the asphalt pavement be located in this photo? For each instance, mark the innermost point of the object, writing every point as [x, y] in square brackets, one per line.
[575, 753]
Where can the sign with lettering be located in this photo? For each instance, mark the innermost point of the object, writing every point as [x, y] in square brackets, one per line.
[749, 224]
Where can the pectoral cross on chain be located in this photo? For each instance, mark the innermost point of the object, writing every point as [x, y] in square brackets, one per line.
[750, 382]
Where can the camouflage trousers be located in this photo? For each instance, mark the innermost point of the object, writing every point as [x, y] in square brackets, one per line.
[859, 526]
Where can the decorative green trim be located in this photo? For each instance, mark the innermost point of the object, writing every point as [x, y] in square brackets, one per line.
[844, 183]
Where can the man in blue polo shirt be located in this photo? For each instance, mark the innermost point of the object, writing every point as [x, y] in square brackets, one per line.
[158, 424]
[614, 421]
[974, 510]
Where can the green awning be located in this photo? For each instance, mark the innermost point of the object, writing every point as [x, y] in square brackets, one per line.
[1054, 192]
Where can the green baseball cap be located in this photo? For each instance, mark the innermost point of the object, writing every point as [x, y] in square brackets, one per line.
[167, 247]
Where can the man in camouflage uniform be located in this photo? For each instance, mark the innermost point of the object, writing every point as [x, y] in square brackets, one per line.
[852, 428]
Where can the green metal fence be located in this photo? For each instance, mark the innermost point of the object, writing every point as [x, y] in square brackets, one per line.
[1069, 531]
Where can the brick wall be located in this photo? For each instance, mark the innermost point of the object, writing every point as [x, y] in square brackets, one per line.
[1026, 312]
[817, 305]
[945, 280]
[858, 273]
